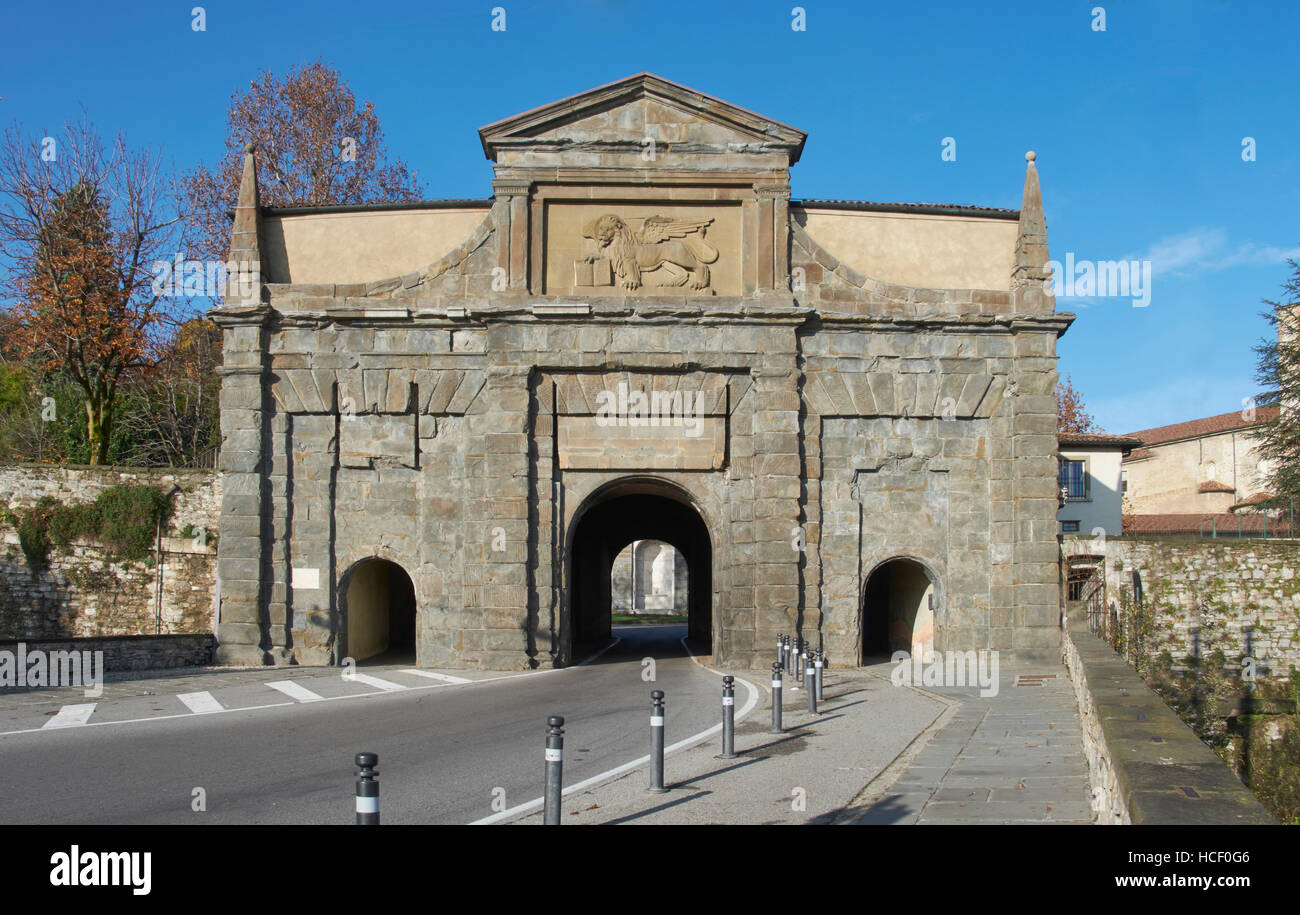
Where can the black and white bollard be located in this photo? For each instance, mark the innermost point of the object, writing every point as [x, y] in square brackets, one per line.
[800, 658]
[554, 770]
[810, 683]
[780, 647]
[728, 718]
[657, 742]
[819, 665]
[776, 700]
[367, 790]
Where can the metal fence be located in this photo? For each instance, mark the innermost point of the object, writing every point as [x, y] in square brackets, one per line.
[1251, 524]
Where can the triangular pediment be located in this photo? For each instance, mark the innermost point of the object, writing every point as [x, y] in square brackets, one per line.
[621, 116]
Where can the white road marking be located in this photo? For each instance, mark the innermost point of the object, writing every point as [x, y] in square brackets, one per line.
[200, 703]
[294, 691]
[376, 682]
[446, 678]
[71, 716]
[636, 763]
[309, 696]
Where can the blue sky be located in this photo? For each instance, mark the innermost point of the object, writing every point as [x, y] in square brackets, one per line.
[1138, 128]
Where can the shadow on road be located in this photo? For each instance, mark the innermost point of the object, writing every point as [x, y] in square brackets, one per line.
[661, 641]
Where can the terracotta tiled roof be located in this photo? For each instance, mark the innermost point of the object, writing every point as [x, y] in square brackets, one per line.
[1210, 425]
[943, 209]
[1215, 486]
[1251, 501]
[1219, 522]
[446, 203]
[1097, 440]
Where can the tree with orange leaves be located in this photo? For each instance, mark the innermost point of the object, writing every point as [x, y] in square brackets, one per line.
[1071, 415]
[315, 147]
[82, 224]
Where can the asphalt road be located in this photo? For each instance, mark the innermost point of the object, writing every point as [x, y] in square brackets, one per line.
[444, 754]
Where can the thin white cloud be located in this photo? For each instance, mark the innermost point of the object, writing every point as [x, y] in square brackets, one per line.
[1248, 255]
[1206, 250]
[1185, 253]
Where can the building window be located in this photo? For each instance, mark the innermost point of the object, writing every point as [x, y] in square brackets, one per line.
[1069, 527]
[1073, 477]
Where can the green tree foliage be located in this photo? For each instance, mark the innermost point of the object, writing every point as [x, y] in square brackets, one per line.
[1278, 373]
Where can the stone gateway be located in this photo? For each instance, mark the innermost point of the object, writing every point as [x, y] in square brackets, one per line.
[443, 422]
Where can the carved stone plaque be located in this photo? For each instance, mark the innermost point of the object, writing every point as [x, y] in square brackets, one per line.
[652, 249]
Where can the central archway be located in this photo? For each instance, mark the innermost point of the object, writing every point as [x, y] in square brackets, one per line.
[615, 517]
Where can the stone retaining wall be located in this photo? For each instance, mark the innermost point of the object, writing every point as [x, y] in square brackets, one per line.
[139, 652]
[1107, 802]
[82, 593]
[1146, 766]
[1213, 599]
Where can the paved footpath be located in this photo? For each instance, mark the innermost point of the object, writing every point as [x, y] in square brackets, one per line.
[1013, 758]
[928, 755]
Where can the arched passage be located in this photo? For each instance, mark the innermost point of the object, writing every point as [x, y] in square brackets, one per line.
[650, 577]
[378, 611]
[614, 519]
[898, 609]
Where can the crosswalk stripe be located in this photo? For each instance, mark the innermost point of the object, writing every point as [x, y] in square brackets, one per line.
[71, 716]
[200, 703]
[294, 691]
[376, 682]
[446, 678]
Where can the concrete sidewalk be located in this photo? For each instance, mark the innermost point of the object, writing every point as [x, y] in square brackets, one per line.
[875, 754]
[1016, 757]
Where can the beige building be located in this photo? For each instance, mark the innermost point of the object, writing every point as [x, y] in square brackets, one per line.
[1194, 473]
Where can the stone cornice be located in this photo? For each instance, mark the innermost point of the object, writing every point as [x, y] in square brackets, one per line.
[511, 187]
[994, 323]
[524, 128]
[234, 370]
[634, 311]
[240, 315]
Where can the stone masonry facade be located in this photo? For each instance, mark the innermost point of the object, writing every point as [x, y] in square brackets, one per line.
[456, 420]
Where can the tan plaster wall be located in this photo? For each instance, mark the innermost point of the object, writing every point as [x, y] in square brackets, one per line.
[359, 247]
[1167, 482]
[943, 252]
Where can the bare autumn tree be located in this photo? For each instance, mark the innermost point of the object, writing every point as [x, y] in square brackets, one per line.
[172, 410]
[82, 224]
[315, 147]
[1071, 415]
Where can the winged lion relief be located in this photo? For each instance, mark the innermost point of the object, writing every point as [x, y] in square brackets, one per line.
[676, 246]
